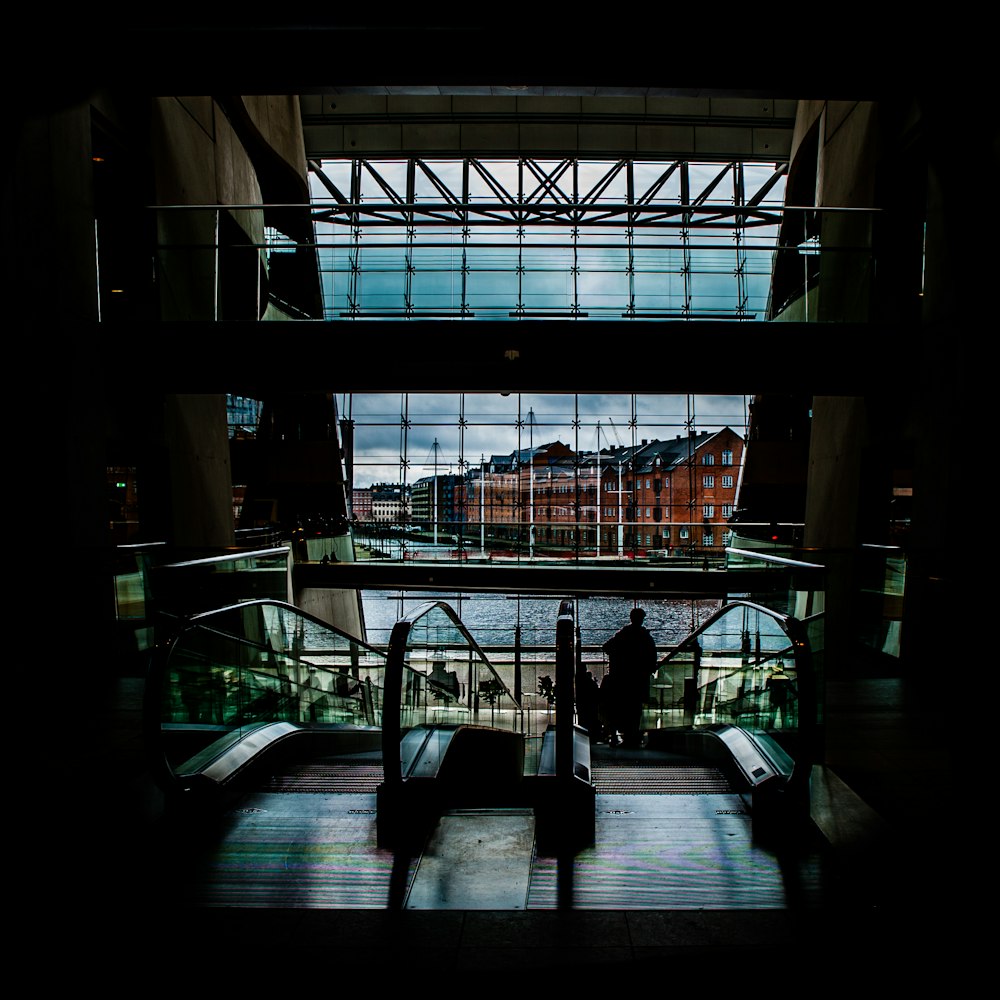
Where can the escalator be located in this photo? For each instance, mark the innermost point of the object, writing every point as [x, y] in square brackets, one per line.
[252, 684]
[460, 798]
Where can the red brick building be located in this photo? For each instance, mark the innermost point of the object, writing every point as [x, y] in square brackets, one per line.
[676, 496]
[672, 497]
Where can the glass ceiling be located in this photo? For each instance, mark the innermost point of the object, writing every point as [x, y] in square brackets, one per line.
[534, 239]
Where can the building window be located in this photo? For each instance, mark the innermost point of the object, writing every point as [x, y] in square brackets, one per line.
[727, 538]
[727, 510]
[727, 482]
[647, 484]
[648, 542]
[708, 460]
[708, 482]
[727, 457]
[666, 534]
[649, 512]
[684, 533]
[706, 538]
[708, 510]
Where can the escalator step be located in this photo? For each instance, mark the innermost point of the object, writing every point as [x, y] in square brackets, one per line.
[625, 780]
[328, 778]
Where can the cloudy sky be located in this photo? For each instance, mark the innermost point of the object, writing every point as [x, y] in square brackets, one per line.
[491, 426]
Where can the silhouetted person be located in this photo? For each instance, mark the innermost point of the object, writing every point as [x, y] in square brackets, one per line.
[631, 659]
[587, 695]
[301, 546]
[779, 696]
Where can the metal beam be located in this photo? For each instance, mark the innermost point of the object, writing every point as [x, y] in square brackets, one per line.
[577, 579]
[510, 356]
[544, 204]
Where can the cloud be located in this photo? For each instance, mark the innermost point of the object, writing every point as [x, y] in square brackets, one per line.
[492, 426]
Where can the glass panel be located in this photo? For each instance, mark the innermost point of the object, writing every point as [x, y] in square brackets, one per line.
[449, 679]
[192, 586]
[882, 570]
[379, 258]
[746, 675]
[243, 667]
[539, 476]
[748, 667]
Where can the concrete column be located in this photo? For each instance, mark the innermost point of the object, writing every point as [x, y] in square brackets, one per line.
[201, 492]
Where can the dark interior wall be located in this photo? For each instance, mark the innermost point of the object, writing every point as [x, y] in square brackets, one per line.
[82, 168]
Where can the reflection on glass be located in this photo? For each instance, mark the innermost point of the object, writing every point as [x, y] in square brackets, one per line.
[239, 668]
[448, 678]
[882, 571]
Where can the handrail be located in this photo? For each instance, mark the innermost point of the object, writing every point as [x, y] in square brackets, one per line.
[393, 685]
[687, 643]
[228, 557]
[565, 671]
[777, 560]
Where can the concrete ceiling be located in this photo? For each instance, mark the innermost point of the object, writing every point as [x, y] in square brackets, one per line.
[563, 121]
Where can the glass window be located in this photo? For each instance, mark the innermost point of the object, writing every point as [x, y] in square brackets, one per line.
[727, 510]
[708, 482]
[727, 457]
[647, 484]
[706, 538]
[684, 533]
[649, 512]
[708, 460]
[708, 510]
[727, 482]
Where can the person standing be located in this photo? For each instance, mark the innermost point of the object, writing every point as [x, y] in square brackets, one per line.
[631, 660]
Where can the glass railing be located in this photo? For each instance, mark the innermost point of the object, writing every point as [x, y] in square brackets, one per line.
[437, 674]
[226, 673]
[189, 586]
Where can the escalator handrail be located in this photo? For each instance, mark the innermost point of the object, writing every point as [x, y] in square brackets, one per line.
[392, 691]
[234, 556]
[565, 677]
[685, 644]
[429, 606]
